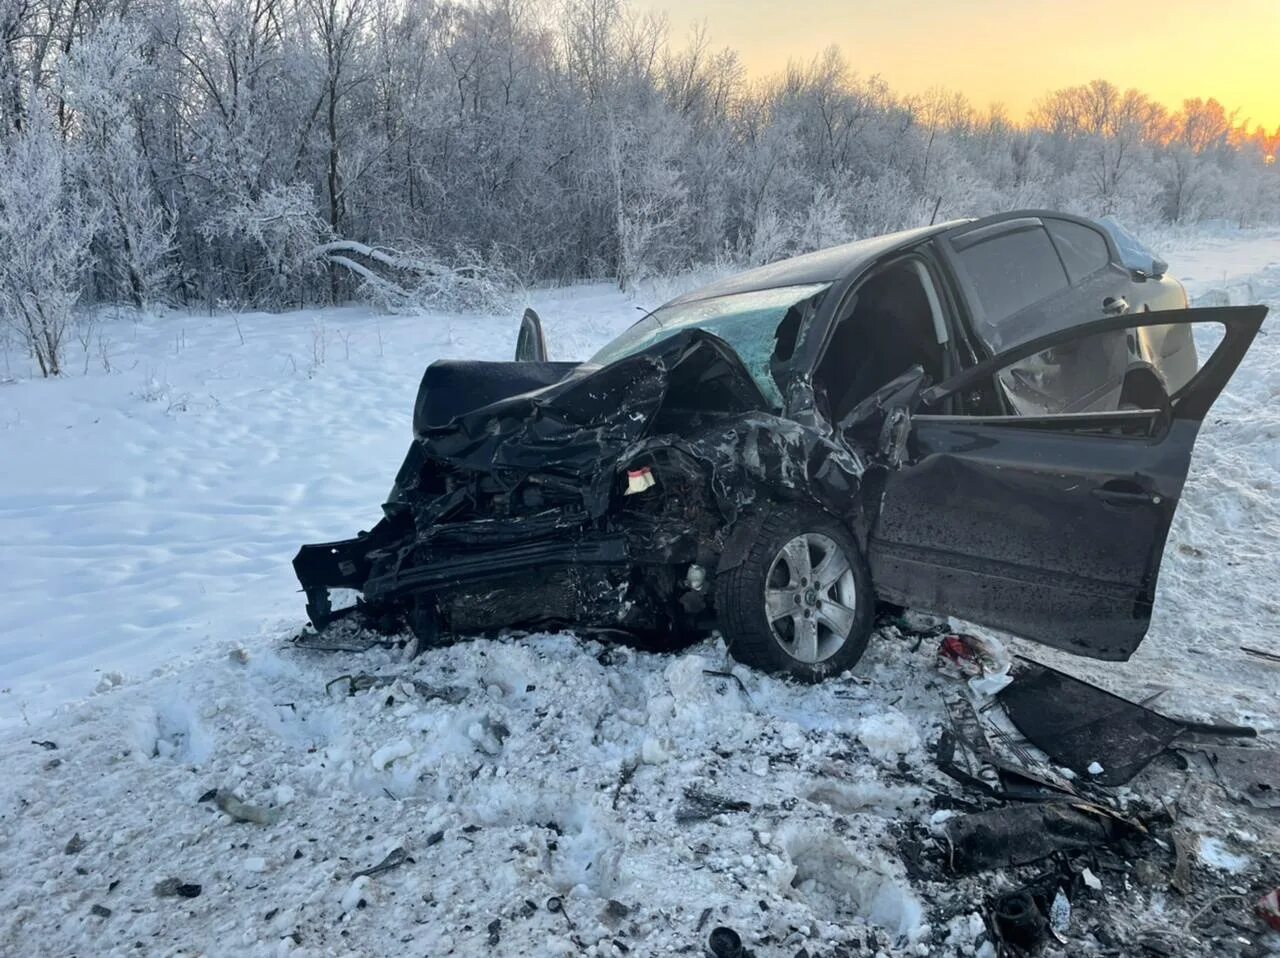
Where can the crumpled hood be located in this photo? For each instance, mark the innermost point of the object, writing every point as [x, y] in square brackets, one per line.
[587, 415]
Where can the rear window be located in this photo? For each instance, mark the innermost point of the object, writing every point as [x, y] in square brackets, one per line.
[1011, 271]
[1083, 249]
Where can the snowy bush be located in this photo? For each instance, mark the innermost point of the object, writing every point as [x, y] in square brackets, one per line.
[45, 234]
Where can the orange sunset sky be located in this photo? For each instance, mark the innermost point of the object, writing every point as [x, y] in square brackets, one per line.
[1012, 52]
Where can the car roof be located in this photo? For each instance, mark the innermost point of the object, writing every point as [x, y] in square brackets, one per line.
[823, 266]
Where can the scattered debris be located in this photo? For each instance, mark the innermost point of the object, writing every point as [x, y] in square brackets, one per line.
[101, 911]
[363, 682]
[984, 662]
[175, 888]
[1269, 656]
[47, 745]
[394, 859]
[495, 932]
[1250, 775]
[699, 805]
[244, 812]
[75, 845]
[1083, 727]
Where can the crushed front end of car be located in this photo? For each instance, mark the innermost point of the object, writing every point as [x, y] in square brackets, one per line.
[542, 494]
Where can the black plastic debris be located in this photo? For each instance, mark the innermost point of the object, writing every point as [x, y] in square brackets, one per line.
[1083, 727]
[699, 805]
[394, 859]
[1018, 920]
[724, 943]
[1021, 834]
[175, 888]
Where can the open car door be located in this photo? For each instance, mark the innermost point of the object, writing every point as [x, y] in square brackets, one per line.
[1049, 527]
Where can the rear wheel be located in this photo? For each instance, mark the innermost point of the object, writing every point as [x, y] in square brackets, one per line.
[800, 603]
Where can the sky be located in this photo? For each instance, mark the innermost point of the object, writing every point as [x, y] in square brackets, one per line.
[1013, 51]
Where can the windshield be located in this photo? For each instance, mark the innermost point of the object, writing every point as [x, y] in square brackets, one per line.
[749, 322]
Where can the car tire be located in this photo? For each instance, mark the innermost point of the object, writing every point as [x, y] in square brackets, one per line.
[781, 612]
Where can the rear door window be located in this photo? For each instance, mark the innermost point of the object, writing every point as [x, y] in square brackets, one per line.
[1082, 248]
[1011, 271]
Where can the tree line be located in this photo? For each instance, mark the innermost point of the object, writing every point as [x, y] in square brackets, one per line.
[276, 153]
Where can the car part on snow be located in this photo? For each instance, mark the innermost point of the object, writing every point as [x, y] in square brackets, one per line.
[175, 888]
[966, 754]
[1081, 726]
[1018, 920]
[724, 942]
[700, 805]
[394, 859]
[1021, 834]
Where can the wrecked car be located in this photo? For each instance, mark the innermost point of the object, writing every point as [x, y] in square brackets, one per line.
[991, 419]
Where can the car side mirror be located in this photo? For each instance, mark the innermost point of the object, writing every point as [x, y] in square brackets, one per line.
[531, 344]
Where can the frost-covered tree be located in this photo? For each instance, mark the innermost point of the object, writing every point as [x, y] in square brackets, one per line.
[45, 234]
[218, 144]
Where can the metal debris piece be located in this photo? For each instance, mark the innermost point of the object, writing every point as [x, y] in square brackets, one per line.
[1269, 656]
[394, 859]
[244, 812]
[699, 805]
[363, 681]
[45, 744]
[1078, 725]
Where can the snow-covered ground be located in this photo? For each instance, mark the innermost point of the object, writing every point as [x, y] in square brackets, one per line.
[148, 513]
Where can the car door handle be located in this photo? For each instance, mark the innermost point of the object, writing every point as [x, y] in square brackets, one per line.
[1123, 492]
[1115, 306]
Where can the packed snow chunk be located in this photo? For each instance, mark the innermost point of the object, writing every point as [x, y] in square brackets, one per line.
[1095, 768]
[389, 753]
[888, 735]
[357, 892]
[1215, 854]
[654, 751]
[833, 879]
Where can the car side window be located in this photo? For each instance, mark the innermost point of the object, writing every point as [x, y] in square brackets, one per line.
[1011, 271]
[1082, 248]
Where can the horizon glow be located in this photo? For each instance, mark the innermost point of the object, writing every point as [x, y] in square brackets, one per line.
[1012, 52]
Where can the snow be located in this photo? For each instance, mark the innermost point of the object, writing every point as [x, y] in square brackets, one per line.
[147, 519]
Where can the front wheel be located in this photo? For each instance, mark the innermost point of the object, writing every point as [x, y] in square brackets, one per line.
[800, 603]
